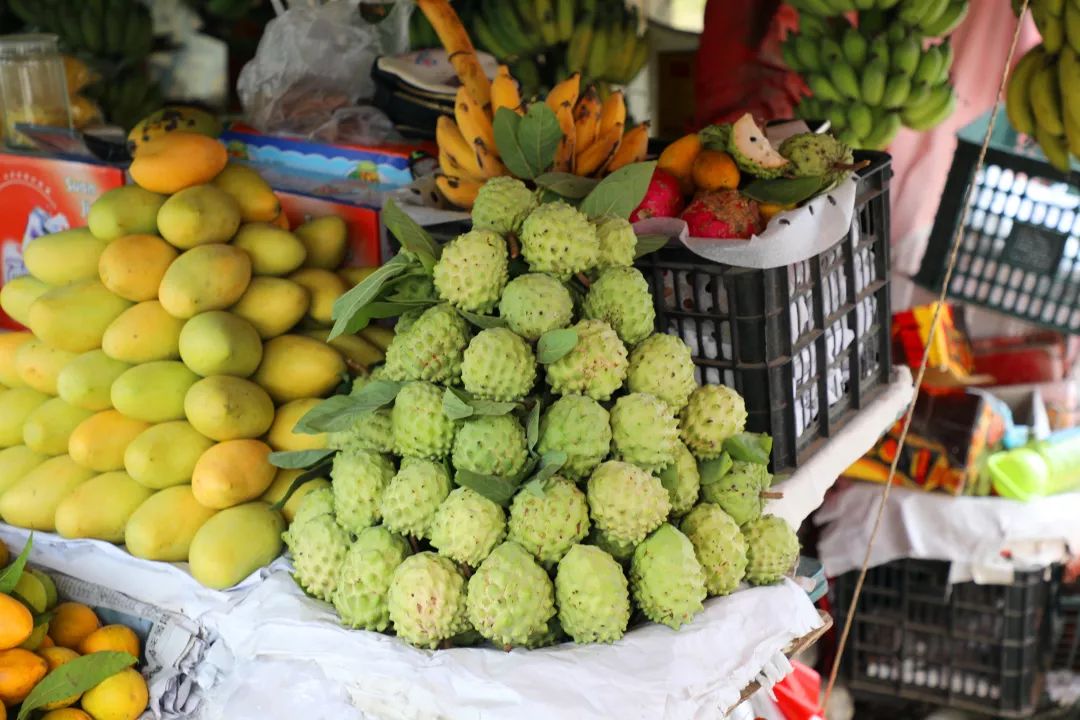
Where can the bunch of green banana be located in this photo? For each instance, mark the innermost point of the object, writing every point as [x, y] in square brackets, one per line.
[1043, 100]
[1058, 21]
[112, 29]
[933, 18]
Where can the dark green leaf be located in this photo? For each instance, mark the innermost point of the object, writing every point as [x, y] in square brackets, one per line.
[322, 470]
[649, 243]
[74, 678]
[412, 237]
[555, 344]
[376, 310]
[620, 192]
[352, 302]
[493, 407]
[532, 426]
[456, 404]
[567, 185]
[714, 470]
[9, 578]
[749, 447]
[549, 196]
[341, 411]
[296, 459]
[506, 126]
[783, 191]
[550, 464]
[496, 489]
[539, 135]
[377, 394]
[484, 322]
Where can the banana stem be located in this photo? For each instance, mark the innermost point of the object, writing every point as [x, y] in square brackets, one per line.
[515, 248]
[767, 495]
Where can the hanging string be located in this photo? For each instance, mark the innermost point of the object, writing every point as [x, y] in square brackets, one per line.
[957, 238]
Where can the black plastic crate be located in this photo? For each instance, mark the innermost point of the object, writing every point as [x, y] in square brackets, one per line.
[1020, 252]
[1067, 630]
[979, 648]
[806, 345]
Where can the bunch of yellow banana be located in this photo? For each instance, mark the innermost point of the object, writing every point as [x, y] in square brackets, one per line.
[1043, 98]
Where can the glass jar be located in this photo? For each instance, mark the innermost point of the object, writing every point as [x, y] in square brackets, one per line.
[33, 87]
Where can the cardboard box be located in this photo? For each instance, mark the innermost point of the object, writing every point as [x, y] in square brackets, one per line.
[363, 224]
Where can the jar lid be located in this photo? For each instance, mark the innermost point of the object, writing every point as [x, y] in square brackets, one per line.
[27, 45]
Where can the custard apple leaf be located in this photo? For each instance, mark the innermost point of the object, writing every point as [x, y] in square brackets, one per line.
[341, 411]
[567, 185]
[379, 310]
[539, 134]
[620, 192]
[555, 344]
[498, 490]
[349, 305]
[412, 237]
[506, 125]
[784, 191]
[750, 447]
[296, 459]
[459, 404]
[482, 321]
[649, 244]
[532, 427]
[714, 470]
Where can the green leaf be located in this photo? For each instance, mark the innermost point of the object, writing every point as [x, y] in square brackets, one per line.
[9, 578]
[620, 192]
[550, 463]
[749, 447]
[649, 244]
[74, 678]
[484, 322]
[539, 135]
[296, 459]
[714, 470]
[532, 426]
[341, 411]
[412, 237]
[784, 191]
[567, 185]
[456, 404]
[555, 344]
[506, 126]
[493, 407]
[376, 310]
[496, 489]
[353, 301]
[322, 470]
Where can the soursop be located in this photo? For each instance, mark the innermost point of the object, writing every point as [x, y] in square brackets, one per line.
[772, 549]
[720, 547]
[579, 427]
[661, 365]
[510, 597]
[364, 579]
[534, 303]
[427, 600]
[315, 503]
[666, 579]
[472, 271]
[625, 502]
[547, 521]
[490, 445]
[618, 243]
[752, 152]
[596, 366]
[498, 365]
[358, 479]
[431, 349]
[620, 297]
[557, 238]
[643, 431]
[712, 415]
[318, 546]
[421, 428]
[592, 596]
[738, 492]
[812, 154]
[502, 205]
[467, 527]
[682, 481]
[414, 494]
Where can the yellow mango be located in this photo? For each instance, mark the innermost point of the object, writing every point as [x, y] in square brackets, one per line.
[172, 118]
[87, 380]
[220, 343]
[177, 160]
[153, 392]
[18, 294]
[235, 543]
[16, 405]
[143, 333]
[32, 502]
[198, 215]
[74, 317]
[281, 435]
[294, 367]
[228, 408]
[100, 507]
[272, 305]
[232, 472]
[163, 527]
[273, 251]
[282, 482]
[39, 365]
[48, 428]
[326, 240]
[100, 441]
[164, 455]
[208, 277]
[324, 287]
[256, 198]
[64, 257]
[10, 342]
[15, 462]
[353, 276]
[127, 210]
[132, 267]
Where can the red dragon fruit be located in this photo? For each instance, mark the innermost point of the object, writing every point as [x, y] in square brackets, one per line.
[723, 214]
[662, 199]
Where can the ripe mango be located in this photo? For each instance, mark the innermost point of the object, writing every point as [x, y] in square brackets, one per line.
[232, 472]
[143, 333]
[294, 367]
[100, 441]
[132, 266]
[326, 239]
[281, 435]
[74, 317]
[228, 408]
[48, 428]
[39, 365]
[273, 251]
[153, 392]
[272, 305]
[87, 380]
[235, 543]
[15, 463]
[127, 210]
[18, 294]
[324, 287]
[208, 277]
[163, 527]
[173, 118]
[256, 198]
[220, 343]
[165, 455]
[10, 342]
[16, 405]
[32, 502]
[64, 257]
[282, 482]
[177, 160]
[199, 215]
[353, 276]
[100, 507]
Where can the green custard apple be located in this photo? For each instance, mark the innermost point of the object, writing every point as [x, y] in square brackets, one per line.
[490, 445]
[595, 367]
[427, 601]
[360, 597]
[682, 481]
[432, 349]
[666, 579]
[720, 547]
[315, 503]
[548, 521]
[625, 502]
[738, 492]
[618, 243]
[358, 479]
[557, 238]
[620, 297]
[510, 597]
[592, 596]
[467, 527]
[368, 432]
[502, 205]
[498, 365]
[661, 365]
[713, 414]
[535, 303]
[643, 431]
[772, 549]
[421, 428]
[579, 427]
[621, 551]
[752, 152]
[553, 634]
[414, 494]
[318, 546]
[812, 154]
[472, 271]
